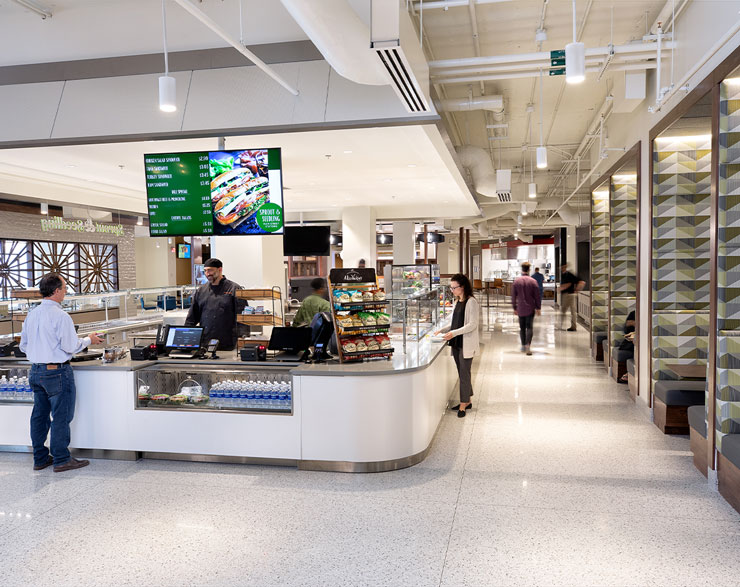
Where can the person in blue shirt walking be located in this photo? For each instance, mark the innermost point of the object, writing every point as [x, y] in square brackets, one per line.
[540, 279]
[49, 340]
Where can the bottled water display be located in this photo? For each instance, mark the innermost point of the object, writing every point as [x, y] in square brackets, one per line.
[253, 395]
[15, 389]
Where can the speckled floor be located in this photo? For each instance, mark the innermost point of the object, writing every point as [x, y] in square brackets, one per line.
[555, 478]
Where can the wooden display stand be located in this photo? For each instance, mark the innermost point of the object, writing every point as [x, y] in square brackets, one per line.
[276, 318]
[356, 280]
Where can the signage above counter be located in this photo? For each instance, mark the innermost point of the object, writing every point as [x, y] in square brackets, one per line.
[57, 223]
[215, 193]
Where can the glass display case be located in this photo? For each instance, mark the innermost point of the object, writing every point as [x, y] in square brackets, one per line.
[227, 388]
[14, 385]
[414, 317]
[407, 281]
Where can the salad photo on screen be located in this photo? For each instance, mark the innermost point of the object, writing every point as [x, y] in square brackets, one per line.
[239, 187]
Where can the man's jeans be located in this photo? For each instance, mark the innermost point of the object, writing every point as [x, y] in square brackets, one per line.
[53, 396]
[526, 329]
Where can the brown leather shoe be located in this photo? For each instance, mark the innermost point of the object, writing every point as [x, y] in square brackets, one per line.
[71, 464]
[48, 463]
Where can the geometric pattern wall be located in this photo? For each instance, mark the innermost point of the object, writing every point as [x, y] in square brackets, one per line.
[728, 264]
[87, 268]
[681, 210]
[622, 252]
[599, 283]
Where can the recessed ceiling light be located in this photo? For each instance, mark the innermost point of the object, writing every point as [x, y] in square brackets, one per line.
[347, 152]
[387, 179]
[411, 165]
[71, 166]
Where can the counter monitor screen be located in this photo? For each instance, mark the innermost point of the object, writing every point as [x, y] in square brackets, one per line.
[180, 337]
[215, 192]
[293, 340]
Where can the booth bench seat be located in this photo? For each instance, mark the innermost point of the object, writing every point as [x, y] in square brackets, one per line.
[728, 470]
[671, 402]
[698, 435]
[619, 362]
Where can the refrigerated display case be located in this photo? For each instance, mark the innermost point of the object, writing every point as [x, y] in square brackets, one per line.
[407, 281]
[414, 318]
[227, 388]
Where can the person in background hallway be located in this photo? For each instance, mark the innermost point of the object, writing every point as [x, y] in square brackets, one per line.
[628, 342]
[462, 336]
[50, 341]
[570, 285]
[526, 299]
[313, 304]
[540, 279]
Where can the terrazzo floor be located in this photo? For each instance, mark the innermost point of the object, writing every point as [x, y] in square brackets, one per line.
[554, 478]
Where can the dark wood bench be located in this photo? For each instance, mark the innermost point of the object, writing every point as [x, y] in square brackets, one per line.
[619, 363]
[671, 401]
[597, 352]
[698, 434]
[728, 470]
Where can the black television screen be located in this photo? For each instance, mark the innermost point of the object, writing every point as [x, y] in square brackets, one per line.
[301, 241]
[215, 193]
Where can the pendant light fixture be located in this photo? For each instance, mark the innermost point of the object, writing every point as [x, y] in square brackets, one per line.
[44, 208]
[532, 184]
[575, 57]
[541, 150]
[167, 84]
[524, 209]
[139, 221]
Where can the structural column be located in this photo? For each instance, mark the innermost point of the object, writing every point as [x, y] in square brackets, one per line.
[358, 236]
[404, 248]
[252, 261]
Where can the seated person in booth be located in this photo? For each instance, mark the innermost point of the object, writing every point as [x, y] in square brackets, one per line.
[628, 342]
[313, 304]
[215, 307]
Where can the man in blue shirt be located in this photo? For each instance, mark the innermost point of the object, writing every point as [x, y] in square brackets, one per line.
[50, 341]
[540, 279]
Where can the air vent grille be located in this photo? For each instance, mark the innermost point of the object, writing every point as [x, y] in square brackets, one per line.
[504, 196]
[402, 79]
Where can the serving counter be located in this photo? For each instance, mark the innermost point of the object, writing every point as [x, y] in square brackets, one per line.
[376, 416]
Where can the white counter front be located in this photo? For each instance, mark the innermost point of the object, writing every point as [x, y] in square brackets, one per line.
[374, 416]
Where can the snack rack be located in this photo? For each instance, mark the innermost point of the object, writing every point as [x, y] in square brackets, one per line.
[361, 281]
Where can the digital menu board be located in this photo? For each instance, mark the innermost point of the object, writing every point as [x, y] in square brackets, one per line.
[215, 193]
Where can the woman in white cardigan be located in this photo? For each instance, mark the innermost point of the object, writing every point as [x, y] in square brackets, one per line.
[462, 336]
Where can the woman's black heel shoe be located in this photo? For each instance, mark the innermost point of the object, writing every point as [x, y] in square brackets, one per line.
[457, 407]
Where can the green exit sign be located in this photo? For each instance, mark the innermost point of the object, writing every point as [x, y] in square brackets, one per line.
[559, 54]
[560, 71]
[559, 62]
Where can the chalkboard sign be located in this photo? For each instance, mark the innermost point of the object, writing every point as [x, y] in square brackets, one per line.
[351, 276]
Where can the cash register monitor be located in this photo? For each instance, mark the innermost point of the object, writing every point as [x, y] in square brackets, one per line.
[183, 342]
[291, 341]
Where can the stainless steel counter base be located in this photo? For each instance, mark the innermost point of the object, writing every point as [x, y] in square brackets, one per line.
[193, 458]
[349, 467]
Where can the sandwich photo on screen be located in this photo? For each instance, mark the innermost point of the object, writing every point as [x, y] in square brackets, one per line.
[241, 183]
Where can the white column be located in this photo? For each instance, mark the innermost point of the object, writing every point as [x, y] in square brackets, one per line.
[443, 252]
[403, 243]
[358, 236]
[251, 261]
[572, 249]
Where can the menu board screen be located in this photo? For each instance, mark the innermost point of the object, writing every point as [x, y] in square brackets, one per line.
[215, 193]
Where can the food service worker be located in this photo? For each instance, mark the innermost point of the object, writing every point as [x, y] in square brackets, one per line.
[215, 306]
[50, 341]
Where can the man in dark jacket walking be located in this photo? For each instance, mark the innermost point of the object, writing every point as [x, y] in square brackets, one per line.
[525, 297]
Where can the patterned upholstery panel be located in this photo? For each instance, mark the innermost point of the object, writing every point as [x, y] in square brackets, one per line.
[620, 309]
[679, 336]
[599, 282]
[727, 386]
[623, 252]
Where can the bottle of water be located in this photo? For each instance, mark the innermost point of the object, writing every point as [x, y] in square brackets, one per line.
[28, 390]
[282, 396]
[4, 388]
[228, 394]
[215, 394]
[259, 395]
[242, 394]
[250, 395]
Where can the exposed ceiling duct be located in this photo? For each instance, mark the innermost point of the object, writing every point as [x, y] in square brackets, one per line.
[492, 103]
[478, 162]
[372, 55]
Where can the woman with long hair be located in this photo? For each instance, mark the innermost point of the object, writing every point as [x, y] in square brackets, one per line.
[462, 336]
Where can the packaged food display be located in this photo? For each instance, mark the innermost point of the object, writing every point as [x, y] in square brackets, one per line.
[360, 345]
[382, 318]
[160, 398]
[368, 318]
[356, 296]
[372, 343]
[368, 296]
[379, 295]
[345, 321]
[385, 342]
[178, 399]
[342, 297]
[349, 346]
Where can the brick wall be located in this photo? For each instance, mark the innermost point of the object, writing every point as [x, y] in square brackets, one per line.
[21, 226]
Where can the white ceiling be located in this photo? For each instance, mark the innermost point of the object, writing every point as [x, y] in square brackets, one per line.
[403, 172]
[85, 29]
